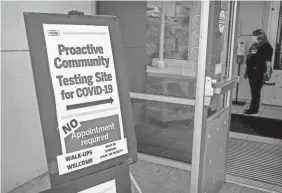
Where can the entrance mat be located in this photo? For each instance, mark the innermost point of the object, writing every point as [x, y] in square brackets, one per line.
[256, 161]
[259, 126]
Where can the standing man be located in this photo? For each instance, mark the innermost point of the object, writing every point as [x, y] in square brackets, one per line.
[258, 67]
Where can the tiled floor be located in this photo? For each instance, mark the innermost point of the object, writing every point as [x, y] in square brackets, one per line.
[267, 111]
[154, 178]
[151, 178]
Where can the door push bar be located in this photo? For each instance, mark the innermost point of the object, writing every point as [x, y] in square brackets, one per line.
[213, 88]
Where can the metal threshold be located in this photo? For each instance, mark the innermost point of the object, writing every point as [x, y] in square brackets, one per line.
[253, 184]
[165, 161]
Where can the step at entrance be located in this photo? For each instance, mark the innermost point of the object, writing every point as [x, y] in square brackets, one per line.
[234, 188]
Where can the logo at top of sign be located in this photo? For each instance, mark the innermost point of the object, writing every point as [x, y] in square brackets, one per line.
[221, 21]
[53, 33]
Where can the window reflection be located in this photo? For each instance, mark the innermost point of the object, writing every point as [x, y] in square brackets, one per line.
[182, 22]
[176, 30]
[180, 47]
[153, 22]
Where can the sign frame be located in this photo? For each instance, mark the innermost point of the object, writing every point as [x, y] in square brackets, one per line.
[45, 94]
[85, 184]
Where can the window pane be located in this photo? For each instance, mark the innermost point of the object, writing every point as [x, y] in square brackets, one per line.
[177, 23]
[170, 86]
[278, 49]
[182, 25]
[178, 77]
[164, 129]
[218, 47]
[152, 34]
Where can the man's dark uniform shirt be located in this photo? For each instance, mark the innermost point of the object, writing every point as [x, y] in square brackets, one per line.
[257, 57]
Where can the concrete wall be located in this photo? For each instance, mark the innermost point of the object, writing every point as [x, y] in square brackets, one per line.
[252, 15]
[23, 153]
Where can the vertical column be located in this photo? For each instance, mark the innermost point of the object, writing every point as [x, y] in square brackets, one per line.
[161, 63]
[200, 117]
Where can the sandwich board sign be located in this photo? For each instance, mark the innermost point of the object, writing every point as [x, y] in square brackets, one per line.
[82, 91]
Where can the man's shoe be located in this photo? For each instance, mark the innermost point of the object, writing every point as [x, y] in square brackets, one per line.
[246, 110]
[250, 112]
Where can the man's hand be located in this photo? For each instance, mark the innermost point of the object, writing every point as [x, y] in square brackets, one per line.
[245, 75]
[267, 75]
[268, 70]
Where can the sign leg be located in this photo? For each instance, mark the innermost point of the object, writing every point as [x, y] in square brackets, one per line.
[135, 183]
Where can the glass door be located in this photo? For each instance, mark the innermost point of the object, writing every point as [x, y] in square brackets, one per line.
[215, 82]
[164, 109]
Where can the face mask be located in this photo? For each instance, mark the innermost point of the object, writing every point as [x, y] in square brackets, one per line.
[254, 39]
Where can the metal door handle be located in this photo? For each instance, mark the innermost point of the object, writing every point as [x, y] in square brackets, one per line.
[226, 86]
[212, 88]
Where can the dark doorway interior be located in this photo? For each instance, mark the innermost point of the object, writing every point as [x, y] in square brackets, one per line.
[258, 126]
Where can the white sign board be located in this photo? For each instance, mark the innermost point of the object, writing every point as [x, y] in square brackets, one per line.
[108, 187]
[86, 94]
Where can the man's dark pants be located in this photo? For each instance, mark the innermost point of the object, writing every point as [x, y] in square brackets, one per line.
[256, 82]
